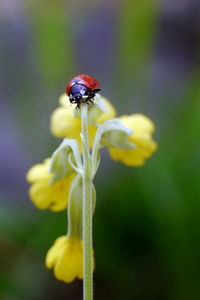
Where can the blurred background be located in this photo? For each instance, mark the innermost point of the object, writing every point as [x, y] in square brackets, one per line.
[145, 54]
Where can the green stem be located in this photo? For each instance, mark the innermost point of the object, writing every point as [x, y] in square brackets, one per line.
[87, 208]
[95, 149]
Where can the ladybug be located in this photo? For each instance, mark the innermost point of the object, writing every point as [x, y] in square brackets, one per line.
[82, 85]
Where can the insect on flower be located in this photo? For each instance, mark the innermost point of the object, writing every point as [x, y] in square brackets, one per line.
[59, 182]
[82, 85]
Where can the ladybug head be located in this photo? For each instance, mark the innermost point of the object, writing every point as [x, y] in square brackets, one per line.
[76, 97]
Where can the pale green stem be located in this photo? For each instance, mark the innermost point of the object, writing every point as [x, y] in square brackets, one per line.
[95, 149]
[87, 208]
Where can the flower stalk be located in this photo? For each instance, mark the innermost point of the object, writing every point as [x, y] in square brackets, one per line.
[87, 207]
[66, 179]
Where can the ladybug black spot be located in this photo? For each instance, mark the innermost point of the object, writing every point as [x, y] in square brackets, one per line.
[94, 82]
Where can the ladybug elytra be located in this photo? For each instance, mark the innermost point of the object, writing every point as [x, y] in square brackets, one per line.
[82, 85]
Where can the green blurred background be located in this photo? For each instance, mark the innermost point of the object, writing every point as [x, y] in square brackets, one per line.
[145, 54]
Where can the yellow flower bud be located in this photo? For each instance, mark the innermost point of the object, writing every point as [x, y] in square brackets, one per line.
[143, 129]
[43, 195]
[66, 257]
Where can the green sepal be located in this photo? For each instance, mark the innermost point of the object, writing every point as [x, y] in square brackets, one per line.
[75, 207]
[95, 165]
[60, 166]
[94, 111]
[115, 134]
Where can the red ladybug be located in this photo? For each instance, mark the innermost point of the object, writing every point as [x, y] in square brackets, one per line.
[82, 85]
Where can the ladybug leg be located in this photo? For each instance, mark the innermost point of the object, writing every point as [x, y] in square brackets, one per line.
[90, 98]
[78, 104]
[95, 91]
[74, 101]
[91, 94]
[90, 101]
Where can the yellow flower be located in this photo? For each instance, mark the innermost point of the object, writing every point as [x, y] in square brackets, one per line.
[42, 194]
[65, 125]
[142, 128]
[66, 257]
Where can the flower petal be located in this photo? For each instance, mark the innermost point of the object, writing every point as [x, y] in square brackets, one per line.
[64, 101]
[40, 193]
[38, 172]
[59, 194]
[63, 124]
[66, 257]
[110, 112]
[69, 265]
[54, 251]
[44, 195]
[142, 128]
